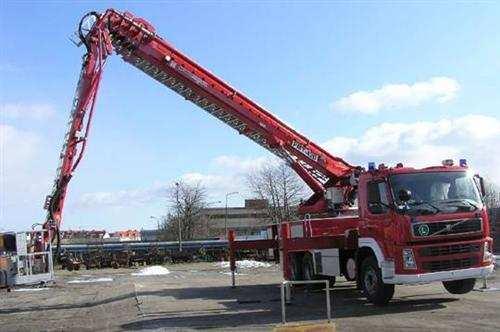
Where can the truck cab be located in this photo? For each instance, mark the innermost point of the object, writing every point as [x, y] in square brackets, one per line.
[420, 226]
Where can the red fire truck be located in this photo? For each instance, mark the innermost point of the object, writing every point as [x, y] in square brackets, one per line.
[380, 226]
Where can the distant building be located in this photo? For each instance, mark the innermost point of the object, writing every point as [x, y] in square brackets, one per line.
[82, 236]
[126, 235]
[150, 235]
[250, 219]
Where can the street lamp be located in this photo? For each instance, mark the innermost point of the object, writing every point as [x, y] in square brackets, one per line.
[208, 216]
[157, 221]
[225, 214]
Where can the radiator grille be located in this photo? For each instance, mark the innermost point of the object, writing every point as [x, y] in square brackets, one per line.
[452, 264]
[450, 249]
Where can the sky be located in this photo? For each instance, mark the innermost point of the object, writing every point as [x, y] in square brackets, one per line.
[370, 81]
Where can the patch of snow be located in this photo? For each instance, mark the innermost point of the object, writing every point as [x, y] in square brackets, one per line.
[88, 281]
[29, 289]
[235, 273]
[245, 264]
[154, 270]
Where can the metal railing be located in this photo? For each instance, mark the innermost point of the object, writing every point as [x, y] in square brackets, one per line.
[286, 295]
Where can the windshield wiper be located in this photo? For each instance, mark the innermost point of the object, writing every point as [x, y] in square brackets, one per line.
[420, 203]
[461, 200]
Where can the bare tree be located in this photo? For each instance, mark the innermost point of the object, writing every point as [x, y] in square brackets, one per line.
[281, 187]
[492, 194]
[185, 204]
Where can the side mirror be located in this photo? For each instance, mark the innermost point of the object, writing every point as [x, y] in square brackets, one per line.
[404, 195]
[480, 182]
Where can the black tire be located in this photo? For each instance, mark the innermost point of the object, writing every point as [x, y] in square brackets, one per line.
[375, 290]
[308, 273]
[308, 268]
[297, 271]
[459, 286]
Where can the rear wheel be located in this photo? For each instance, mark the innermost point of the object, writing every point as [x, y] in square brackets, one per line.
[297, 267]
[459, 286]
[309, 274]
[373, 287]
[350, 269]
[308, 268]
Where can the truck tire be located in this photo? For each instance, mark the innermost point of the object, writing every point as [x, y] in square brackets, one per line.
[296, 262]
[375, 290]
[459, 286]
[308, 268]
[308, 273]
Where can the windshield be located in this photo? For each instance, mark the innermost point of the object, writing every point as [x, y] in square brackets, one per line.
[435, 192]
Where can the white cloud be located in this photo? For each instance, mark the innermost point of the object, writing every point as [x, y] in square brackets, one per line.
[26, 110]
[419, 144]
[8, 68]
[438, 89]
[242, 165]
[21, 178]
[17, 147]
[214, 183]
[227, 175]
[130, 197]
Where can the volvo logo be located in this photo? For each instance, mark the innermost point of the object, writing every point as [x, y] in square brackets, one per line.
[423, 230]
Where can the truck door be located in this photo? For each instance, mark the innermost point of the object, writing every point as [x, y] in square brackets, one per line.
[376, 217]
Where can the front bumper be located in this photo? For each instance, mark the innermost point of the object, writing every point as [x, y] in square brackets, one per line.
[422, 278]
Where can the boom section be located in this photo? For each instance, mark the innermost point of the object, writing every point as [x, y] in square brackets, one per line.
[98, 48]
[138, 44]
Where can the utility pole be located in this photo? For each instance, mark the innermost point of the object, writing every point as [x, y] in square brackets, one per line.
[225, 214]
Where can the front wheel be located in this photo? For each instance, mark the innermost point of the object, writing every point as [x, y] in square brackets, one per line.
[373, 287]
[459, 286]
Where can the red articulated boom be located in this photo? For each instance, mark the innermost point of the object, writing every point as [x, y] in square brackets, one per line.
[136, 41]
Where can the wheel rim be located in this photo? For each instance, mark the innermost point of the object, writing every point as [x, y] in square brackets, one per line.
[351, 268]
[370, 280]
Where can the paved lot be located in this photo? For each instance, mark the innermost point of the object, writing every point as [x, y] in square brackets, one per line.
[197, 296]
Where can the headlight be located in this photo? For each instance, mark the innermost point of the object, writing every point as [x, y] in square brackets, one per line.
[409, 259]
[487, 255]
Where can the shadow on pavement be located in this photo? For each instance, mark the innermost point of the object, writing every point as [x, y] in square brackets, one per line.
[260, 304]
[245, 305]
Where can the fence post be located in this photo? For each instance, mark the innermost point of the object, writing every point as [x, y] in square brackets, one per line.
[232, 259]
